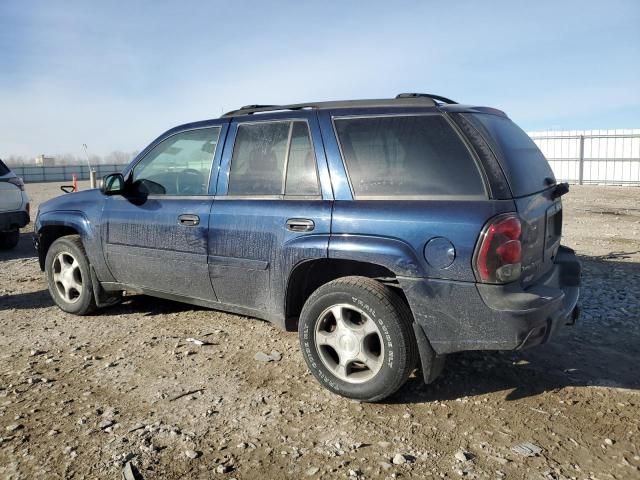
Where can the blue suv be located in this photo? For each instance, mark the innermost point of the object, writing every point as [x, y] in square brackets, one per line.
[389, 233]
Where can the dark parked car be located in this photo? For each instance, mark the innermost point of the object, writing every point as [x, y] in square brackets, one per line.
[14, 207]
[389, 233]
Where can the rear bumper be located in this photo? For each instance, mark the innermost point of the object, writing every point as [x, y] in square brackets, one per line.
[457, 316]
[11, 220]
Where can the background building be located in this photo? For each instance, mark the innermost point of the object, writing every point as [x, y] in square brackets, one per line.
[44, 161]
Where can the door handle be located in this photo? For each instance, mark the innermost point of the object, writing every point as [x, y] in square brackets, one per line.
[189, 220]
[300, 225]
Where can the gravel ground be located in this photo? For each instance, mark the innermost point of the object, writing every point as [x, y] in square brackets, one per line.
[86, 397]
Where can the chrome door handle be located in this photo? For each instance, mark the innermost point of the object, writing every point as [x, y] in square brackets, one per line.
[300, 225]
[189, 220]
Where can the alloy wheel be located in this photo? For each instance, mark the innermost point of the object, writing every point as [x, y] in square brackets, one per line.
[349, 343]
[67, 277]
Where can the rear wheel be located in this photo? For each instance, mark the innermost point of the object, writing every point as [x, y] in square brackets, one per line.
[9, 239]
[357, 339]
[69, 277]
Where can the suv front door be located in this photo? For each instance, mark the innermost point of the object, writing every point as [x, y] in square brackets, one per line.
[272, 210]
[155, 235]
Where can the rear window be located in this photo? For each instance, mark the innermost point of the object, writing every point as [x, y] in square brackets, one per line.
[407, 156]
[3, 169]
[520, 158]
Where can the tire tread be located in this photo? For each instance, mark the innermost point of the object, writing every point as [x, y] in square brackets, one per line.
[393, 302]
[76, 241]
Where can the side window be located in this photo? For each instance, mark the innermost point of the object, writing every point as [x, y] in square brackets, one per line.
[406, 156]
[522, 161]
[257, 164]
[179, 165]
[302, 176]
[264, 151]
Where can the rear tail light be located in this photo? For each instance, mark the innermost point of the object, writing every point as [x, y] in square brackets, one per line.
[17, 181]
[499, 251]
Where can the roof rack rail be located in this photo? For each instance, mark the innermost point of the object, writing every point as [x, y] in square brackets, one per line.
[251, 109]
[402, 100]
[428, 95]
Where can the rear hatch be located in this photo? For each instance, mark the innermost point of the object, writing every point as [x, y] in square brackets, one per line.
[534, 189]
[10, 194]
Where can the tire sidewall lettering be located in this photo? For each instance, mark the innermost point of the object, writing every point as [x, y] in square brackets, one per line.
[308, 338]
[381, 325]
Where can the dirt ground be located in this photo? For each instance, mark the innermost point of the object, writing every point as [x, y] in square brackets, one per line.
[81, 397]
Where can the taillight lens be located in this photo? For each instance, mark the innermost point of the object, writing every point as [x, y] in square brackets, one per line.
[499, 254]
[17, 181]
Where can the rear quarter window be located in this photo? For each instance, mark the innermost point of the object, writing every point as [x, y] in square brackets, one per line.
[407, 156]
[521, 160]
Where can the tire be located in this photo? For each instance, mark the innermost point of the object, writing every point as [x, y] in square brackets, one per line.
[9, 239]
[69, 277]
[352, 319]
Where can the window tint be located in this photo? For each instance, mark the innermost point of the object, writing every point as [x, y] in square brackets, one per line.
[179, 165]
[257, 165]
[520, 158]
[261, 153]
[3, 169]
[302, 178]
[407, 156]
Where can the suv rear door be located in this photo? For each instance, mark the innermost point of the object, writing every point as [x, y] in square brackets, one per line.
[271, 211]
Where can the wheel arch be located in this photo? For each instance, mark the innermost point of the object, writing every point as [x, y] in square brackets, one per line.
[52, 226]
[307, 276]
[382, 259]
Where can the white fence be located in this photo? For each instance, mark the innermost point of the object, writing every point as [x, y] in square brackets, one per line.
[610, 157]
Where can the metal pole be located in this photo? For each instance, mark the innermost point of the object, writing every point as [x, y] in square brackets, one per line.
[92, 172]
[84, 145]
[581, 164]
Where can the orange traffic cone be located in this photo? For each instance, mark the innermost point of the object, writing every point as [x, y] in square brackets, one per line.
[75, 183]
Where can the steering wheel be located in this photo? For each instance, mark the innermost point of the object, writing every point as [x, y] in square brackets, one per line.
[189, 182]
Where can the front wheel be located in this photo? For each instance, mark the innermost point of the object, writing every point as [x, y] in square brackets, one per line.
[357, 339]
[68, 276]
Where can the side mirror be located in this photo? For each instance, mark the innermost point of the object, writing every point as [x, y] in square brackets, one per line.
[113, 184]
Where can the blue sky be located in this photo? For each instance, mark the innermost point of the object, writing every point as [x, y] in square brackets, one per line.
[116, 74]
